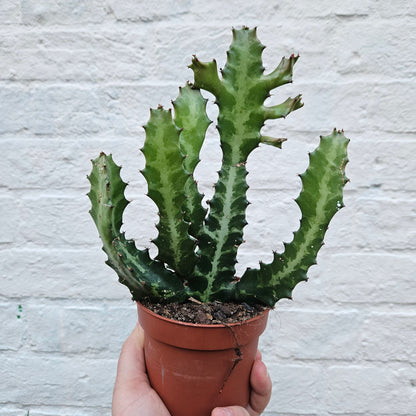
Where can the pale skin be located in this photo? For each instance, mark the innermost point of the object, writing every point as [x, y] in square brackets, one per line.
[134, 396]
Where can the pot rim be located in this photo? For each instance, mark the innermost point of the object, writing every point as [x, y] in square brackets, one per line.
[200, 336]
[194, 325]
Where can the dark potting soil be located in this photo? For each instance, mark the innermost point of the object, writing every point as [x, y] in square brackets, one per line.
[206, 313]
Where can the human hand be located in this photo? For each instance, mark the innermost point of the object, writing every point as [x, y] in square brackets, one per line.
[134, 396]
[261, 391]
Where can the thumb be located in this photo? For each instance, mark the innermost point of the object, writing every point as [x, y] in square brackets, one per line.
[229, 411]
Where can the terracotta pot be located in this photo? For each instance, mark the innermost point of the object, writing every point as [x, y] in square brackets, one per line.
[196, 368]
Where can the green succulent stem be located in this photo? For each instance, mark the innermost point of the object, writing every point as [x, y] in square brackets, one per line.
[166, 178]
[191, 118]
[197, 247]
[319, 200]
[240, 96]
[108, 203]
[144, 277]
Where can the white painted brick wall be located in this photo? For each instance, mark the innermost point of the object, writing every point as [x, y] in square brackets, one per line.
[78, 77]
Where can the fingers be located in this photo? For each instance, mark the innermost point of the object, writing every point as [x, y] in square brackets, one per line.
[230, 411]
[131, 372]
[132, 394]
[131, 362]
[261, 388]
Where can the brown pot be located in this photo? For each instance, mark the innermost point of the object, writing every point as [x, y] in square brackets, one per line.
[196, 368]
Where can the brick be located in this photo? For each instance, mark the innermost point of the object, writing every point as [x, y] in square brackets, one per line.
[46, 12]
[148, 12]
[271, 11]
[313, 335]
[9, 411]
[8, 229]
[264, 232]
[52, 110]
[127, 106]
[77, 330]
[326, 105]
[57, 380]
[68, 55]
[390, 337]
[354, 8]
[390, 164]
[10, 12]
[387, 390]
[49, 166]
[369, 278]
[238, 10]
[17, 100]
[45, 331]
[266, 165]
[75, 110]
[392, 95]
[177, 44]
[81, 231]
[305, 295]
[379, 53]
[59, 273]
[400, 8]
[358, 225]
[297, 389]
[54, 231]
[13, 330]
[376, 173]
[54, 410]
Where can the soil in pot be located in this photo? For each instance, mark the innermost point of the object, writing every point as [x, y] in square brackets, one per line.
[206, 313]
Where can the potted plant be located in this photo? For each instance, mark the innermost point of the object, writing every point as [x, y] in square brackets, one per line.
[197, 247]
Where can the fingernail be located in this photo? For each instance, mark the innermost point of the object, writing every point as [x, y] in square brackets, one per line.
[221, 411]
[263, 369]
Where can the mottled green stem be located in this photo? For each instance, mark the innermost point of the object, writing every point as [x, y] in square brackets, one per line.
[166, 179]
[191, 118]
[143, 276]
[319, 200]
[197, 251]
[240, 97]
